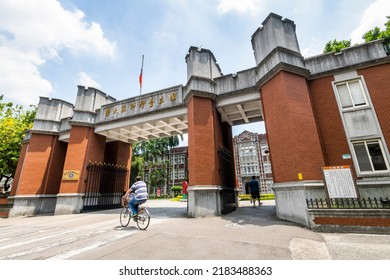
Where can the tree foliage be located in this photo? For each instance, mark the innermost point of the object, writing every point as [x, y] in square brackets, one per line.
[336, 46]
[153, 155]
[376, 33]
[371, 35]
[14, 122]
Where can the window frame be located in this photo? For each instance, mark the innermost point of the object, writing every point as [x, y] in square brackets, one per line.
[362, 88]
[356, 161]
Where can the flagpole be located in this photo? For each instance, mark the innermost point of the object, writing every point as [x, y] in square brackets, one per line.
[140, 75]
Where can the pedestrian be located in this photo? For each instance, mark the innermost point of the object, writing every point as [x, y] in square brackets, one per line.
[255, 191]
[247, 191]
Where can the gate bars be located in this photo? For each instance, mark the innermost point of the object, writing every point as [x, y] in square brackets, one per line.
[105, 185]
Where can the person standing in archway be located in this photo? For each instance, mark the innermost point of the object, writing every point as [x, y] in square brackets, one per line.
[255, 191]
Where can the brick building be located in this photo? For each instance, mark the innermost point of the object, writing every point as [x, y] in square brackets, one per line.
[251, 158]
[176, 168]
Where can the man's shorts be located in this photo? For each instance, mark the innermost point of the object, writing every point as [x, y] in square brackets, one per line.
[255, 195]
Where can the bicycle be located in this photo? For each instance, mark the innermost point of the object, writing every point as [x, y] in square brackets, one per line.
[142, 218]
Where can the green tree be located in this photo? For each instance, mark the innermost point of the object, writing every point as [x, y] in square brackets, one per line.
[376, 33]
[155, 156]
[336, 46]
[371, 35]
[137, 168]
[14, 122]
[157, 176]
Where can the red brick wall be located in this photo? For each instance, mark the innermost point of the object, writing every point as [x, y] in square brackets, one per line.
[329, 121]
[334, 141]
[119, 153]
[84, 146]
[202, 143]
[37, 176]
[353, 221]
[19, 168]
[378, 83]
[291, 128]
[55, 168]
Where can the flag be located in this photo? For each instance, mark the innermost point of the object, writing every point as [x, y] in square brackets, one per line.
[140, 75]
[140, 78]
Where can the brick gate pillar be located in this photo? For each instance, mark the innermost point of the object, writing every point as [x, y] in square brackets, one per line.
[204, 189]
[292, 133]
[39, 171]
[293, 137]
[207, 188]
[84, 145]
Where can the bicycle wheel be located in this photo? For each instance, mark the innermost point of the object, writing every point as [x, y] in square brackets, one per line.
[143, 218]
[125, 216]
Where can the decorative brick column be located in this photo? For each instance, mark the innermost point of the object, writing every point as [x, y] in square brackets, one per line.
[211, 172]
[204, 190]
[291, 129]
[40, 176]
[292, 132]
[39, 171]
[84, 146]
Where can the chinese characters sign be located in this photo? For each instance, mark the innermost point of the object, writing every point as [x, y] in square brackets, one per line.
[339, 182]
[142, 104]
[71, 175]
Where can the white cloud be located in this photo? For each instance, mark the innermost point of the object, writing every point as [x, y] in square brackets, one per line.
[35, 31]
[87, 81]
[252, 7]
[374, 15]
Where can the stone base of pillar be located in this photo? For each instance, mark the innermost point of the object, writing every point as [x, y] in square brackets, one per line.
[69, 203]
[204, 201]
[29, 205]
[290, 199]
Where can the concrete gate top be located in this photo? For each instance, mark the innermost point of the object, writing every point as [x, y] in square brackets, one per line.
[164, 112]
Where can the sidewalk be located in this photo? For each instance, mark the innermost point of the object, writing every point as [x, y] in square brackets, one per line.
[248, 233]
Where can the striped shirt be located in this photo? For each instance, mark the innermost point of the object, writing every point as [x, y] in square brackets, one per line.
[140, 190]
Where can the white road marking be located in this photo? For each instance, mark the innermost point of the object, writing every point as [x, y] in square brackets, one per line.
[51, 245]
[36, 239]
[76, 252]
[234, 225]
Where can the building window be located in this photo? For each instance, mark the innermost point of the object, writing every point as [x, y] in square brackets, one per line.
[351, 94]
[370, 157]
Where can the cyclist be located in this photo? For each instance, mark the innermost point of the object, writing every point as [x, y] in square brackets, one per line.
[140, 195]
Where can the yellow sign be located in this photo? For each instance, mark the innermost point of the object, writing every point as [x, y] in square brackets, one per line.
[72, 175]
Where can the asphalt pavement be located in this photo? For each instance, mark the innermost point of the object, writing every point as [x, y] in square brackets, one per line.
[246, 234]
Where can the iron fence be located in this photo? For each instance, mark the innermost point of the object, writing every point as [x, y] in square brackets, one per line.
[348, 203]
[105, 185]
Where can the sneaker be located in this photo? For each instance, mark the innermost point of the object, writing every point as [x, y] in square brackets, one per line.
[261, 203]
[134, 215]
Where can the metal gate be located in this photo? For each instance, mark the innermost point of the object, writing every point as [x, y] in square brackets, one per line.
[105, 185]
[228, 194]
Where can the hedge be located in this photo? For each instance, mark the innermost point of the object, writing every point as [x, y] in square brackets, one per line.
[262, 196]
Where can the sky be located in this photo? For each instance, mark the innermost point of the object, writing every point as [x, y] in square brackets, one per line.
[49, 47]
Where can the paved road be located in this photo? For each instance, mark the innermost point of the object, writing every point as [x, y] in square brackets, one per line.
[248, 233]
